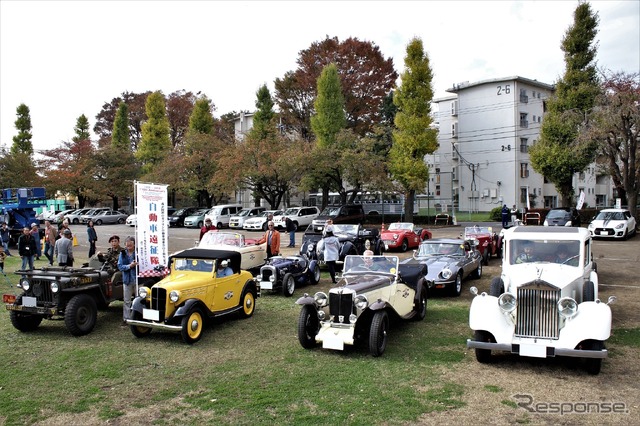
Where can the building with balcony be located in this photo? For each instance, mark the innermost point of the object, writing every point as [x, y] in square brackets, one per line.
[485, 131]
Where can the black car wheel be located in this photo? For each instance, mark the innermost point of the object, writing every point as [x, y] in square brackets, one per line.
[200, 224]
[138, 330]
[308, 325]
[588, 292]
[421, 307]
[456, 288]
[24, 322]
[98, 222]
[265, 226]
[120, 221]
[483, 355]
[593, 364]
[477, 274]
[405, 245]
[81, 314]
[288, 285]
[248, 302]
[378, 333]
[192, 325]
[315, 275]
[497, 287]
[75, 221]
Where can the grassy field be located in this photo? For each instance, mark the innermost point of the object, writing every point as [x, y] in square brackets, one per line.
[254, 371]
[241, 372]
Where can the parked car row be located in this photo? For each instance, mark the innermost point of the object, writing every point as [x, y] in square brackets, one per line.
[544, 303]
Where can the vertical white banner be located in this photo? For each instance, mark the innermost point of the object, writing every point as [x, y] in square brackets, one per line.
[580, 200]
[528, 202]
[152, 230]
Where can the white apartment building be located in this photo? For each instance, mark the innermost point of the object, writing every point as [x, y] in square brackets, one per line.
[485, 131]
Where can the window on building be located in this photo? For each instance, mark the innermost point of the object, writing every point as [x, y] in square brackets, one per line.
[523, 96]
[454, 131]
[454, 108]
[523, 120]
[524, 147]
[524, 170]
[581, 175]
[438, 189]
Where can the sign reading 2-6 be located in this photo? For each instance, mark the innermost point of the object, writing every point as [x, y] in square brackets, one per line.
[504, 90]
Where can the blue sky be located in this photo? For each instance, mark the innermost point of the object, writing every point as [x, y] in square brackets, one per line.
[67, 58]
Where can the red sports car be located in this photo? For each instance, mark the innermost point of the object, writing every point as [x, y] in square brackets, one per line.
[487, 240]
[404, 235]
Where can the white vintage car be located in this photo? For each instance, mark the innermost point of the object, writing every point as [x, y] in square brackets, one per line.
[545, 303]
[253, 256]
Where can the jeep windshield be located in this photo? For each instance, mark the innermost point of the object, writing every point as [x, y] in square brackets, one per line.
[338, 229]
[544, 251]
[371, 264]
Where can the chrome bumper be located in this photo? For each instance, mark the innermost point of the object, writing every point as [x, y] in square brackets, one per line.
[551, 351]
[154, 325]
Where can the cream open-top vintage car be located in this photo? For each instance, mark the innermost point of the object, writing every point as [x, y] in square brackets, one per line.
[253, 256]
[545, 303]
[371, 289]
[202, 284]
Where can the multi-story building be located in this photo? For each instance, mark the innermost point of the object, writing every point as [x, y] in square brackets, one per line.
[485, 132]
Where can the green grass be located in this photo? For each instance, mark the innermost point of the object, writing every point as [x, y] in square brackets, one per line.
[241, 372]
[625, 337]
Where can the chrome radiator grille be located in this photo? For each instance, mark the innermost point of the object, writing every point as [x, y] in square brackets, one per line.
[159, 300]
[537, 314]
[341, 306]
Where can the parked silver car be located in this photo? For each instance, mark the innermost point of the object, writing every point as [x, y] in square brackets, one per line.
[106, 217]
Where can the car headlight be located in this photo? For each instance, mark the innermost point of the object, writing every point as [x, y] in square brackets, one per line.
[272, 278]
[361, 302]
[395, 236]
[259, 277]
[143, 292]
[174, 296]
[590, 226]
[446, 273]
[567, 307]
[620, 226]
[54, 287]
[25, 284]
[320, 298]
[546, 223]
[507, 302]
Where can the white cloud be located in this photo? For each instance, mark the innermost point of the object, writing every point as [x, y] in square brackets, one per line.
[64, 59]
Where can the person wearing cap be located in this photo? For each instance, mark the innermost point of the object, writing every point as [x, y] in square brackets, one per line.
[272, 238]
[128, 265]
[111, 258]
[35, 233]
[331, 251]
[50, 237]
[223, 269]
[208, 226]
[26, 248]
[64, 249]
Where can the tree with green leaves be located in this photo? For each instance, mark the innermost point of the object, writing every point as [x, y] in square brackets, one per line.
[22, 141]
[116, 167]
[201, 119]
[559, 153]
[414, 136]
[82, 129]
[155, 143]
[328, 121]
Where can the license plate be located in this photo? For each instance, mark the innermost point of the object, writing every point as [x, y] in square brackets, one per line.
[29, 302]
[266, 285]
[151, 314]
[536, 351]
[333, 342]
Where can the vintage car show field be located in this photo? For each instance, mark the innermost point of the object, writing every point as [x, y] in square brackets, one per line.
[255, 371]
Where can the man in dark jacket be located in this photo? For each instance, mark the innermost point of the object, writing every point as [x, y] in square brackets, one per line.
[26, 248]
[291, 229]
[505, 216]
[5, 235]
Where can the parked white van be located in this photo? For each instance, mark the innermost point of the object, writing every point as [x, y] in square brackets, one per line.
[220, 215]
[237, 221]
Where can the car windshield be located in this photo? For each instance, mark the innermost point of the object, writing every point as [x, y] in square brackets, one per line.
[330, 211]
[558, 214]
[440, 248]
[610, 216]
[244, 212]
[398, 226]
[369, 264]
[180, 212]
[196, 265]
[222, 238]
[549, 251]
[474, 230]
[291, 212]
[342, 229]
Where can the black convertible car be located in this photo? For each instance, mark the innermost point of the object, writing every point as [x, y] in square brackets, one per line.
[354, 240]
